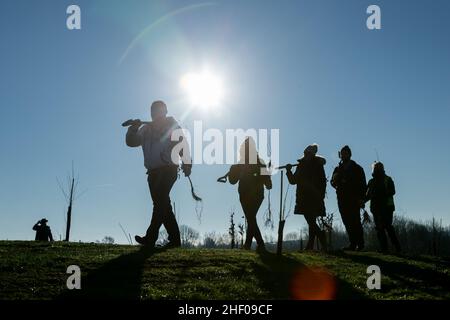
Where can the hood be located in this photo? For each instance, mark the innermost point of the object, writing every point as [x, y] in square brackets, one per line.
[379, 174]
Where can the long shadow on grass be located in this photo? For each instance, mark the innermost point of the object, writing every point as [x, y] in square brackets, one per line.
[277, 273]
[119, 278]
[442, 262]
[408, 275]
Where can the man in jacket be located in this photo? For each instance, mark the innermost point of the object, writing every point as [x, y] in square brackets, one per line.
[349, 181]
[156, 142]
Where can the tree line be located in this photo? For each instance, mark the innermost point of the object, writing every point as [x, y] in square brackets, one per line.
[417, 237]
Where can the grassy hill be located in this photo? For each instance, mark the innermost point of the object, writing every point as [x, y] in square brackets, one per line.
[31, 270]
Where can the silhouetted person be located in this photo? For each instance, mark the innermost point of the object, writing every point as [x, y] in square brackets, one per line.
[157, 145]
[349, 181]
[43, 232]
[252, 175]
[311, 184]
[380, 193]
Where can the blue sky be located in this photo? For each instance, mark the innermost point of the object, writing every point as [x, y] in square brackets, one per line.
[310, 68]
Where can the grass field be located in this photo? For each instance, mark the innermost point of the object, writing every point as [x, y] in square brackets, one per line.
[30, 270]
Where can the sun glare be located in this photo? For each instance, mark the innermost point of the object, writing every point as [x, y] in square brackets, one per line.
[203, 90]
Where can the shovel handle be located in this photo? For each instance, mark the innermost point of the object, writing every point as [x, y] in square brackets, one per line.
[130, 122]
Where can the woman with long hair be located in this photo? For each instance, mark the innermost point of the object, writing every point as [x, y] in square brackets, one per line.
[252, 174]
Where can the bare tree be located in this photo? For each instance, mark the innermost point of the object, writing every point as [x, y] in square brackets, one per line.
[283, 216]
[326, 225]
[301, 239]
[210, 240]
[223, 240]
[268, 216]
[241, 233]
[232, 231]
[70, 193]
[291, 236]
[188, 236]
[436, 230]
[163, 237]
[108, 240]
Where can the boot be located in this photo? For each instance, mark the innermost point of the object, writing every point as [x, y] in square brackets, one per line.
[141, 240]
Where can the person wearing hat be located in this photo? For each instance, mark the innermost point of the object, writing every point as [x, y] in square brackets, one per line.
[155, 139]
[380, 193]
[43, 232]
[349, 180]
[311, 182]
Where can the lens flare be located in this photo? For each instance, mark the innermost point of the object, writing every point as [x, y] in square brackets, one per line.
[313, 284]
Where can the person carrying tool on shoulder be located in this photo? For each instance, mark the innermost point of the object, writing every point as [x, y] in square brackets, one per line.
[311, 184]
[252, 174]
[155, 138]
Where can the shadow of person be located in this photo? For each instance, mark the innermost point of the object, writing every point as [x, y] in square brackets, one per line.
[285, 277]
[408, 275]
[120, 278]
[441, 262]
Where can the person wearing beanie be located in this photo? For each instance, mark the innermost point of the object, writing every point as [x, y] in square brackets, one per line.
[349, 180]
[311, 182]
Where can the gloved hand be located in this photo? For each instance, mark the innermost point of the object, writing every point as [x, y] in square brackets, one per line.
[136, 124]
[289, 167]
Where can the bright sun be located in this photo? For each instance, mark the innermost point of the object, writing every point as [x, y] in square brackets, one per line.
[204, 89]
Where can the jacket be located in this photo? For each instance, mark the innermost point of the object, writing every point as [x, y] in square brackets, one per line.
[349, 180]
[380, 193]
[251, 181]
[43, 233]
[157, 145]
[311, 182]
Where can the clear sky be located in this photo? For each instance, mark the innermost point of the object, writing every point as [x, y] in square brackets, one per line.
[310, 68]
